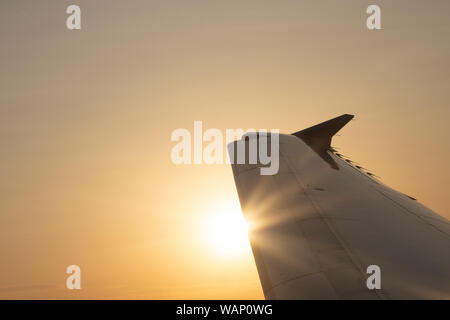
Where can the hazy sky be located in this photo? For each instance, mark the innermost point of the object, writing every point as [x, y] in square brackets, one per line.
[86, 116]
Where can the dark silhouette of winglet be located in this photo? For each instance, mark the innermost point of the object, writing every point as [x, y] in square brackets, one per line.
[319, 137]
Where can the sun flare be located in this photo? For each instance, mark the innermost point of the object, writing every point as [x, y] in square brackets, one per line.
[227, 230]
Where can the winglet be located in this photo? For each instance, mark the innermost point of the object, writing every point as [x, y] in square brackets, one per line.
[319, 136]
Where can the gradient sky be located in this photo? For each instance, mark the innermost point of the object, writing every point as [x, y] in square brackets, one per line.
[86, 116]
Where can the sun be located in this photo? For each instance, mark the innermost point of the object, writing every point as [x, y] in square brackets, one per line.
[227, 230]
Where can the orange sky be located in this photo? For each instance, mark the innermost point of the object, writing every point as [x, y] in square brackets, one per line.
[86, 117]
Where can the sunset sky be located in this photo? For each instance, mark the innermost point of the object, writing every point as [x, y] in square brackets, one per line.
[86, 117]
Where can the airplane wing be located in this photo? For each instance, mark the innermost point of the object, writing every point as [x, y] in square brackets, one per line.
[321, 221]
